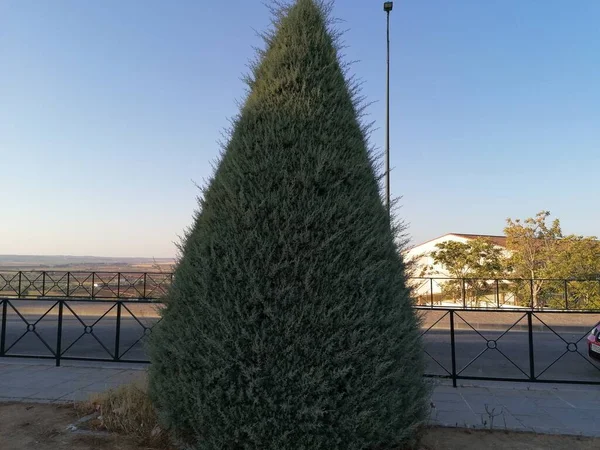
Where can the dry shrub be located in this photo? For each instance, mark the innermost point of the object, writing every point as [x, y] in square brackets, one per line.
[128, 410]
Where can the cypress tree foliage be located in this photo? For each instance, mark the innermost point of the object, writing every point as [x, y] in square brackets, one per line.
[289, 323]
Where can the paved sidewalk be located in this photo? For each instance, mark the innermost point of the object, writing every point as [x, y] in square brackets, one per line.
[540, 408]
[35, 381]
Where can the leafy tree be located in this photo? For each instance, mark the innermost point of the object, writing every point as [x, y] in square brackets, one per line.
[541, 253]
[289, 323]
[533, 244]
[577, 262]
[479, 260]
[577, 257]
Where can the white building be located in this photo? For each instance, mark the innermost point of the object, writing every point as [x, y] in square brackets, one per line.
[427, 275]
[421, 254]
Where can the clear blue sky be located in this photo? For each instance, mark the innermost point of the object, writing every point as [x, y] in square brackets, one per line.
[110, 110]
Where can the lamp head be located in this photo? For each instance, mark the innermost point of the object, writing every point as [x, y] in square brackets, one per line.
[388, 6]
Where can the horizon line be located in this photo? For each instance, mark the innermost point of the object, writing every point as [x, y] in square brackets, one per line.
[9, 255]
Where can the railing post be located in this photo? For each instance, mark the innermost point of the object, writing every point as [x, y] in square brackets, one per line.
[118, 285]
[3, 331]
[464, 293]
[59, 332]
[118, 331]
[531, 358]
[498, 294]
[453, 348]
[68, 283]
[145, 280]
[431, 290]
[44, 283]
[566, 295]
[19, 293]
[93, 283]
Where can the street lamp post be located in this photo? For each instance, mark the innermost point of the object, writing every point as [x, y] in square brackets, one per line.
[387, 7]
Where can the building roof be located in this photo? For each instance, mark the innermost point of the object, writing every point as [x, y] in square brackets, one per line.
[500, 241]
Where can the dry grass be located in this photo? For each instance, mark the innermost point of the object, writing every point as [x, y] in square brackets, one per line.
[44, 427]
[31, 426]
[127, 410]
[465, 439]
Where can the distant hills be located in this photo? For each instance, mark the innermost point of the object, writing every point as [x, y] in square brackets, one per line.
[66, 262]
[66, 259]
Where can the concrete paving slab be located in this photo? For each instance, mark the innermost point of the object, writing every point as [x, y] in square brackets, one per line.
[446, 396]
[17, 394]
[77, 396]
[549, 402]
[570, 417]
[525, 407]
[452, 406]
[505, 421]
[60, 390]
[99, 387]
[68, 383]
[540, 420]
[562, 409]
[460, 419]
[483, 403]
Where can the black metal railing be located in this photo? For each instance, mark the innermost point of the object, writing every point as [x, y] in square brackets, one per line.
[510, 345]
[534, 294]
[87, 285]
[459, 343]
[74, 329]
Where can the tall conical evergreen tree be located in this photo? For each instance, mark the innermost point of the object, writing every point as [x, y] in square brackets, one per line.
[289, 323]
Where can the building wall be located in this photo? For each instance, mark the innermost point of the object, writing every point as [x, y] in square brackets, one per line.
[419, 256]
[424, 266]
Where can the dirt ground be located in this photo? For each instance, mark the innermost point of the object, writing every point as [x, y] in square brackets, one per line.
[43, 427]
[453, 439]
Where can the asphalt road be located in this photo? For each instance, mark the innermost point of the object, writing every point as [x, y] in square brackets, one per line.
[507, 356]
[98, 342]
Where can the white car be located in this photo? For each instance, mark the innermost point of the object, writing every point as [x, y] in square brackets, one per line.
[594, 342]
